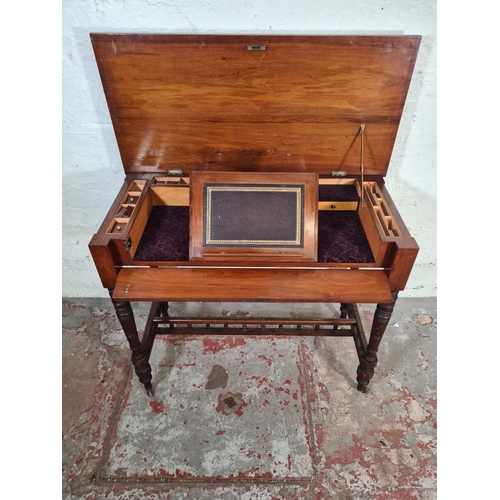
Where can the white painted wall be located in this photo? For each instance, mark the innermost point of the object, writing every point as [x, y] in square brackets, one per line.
[91, 166]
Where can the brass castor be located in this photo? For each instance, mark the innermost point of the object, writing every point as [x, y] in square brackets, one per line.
[363, 388]
[149, 390]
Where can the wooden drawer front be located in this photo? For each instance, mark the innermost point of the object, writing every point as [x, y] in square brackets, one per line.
[337, 205]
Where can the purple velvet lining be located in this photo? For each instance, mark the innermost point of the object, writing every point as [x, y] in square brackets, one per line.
[337, 192]
[341, 238]
[166, 235]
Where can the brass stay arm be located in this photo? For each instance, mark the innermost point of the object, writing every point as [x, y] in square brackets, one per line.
[361, 131]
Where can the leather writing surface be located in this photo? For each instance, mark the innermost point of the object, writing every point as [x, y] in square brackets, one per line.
[253, 215]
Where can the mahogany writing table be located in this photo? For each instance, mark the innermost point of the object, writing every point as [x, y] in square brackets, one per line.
[306, 122]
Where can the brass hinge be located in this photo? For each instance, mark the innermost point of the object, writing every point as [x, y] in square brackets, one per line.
[362, 133]
[127, 244]
[174, 172]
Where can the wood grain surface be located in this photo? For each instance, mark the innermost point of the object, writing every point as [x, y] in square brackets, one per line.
[235, 285]
[207, 103]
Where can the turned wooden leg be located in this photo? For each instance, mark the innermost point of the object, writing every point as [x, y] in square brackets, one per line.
[139, 359]
[369, 359]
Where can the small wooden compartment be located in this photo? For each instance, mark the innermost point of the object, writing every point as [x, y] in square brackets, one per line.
[381, 209]
[126, 207]
[160, 229]
[171, 181]
[338, 194]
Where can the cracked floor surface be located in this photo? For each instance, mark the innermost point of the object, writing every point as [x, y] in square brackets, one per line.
[246, 417]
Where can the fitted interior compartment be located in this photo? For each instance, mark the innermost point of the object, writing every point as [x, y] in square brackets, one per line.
[341, 236]
[170, 181]
[166, 235]
[338, 194]
[161, 229]
[381, 209]
[128, 204]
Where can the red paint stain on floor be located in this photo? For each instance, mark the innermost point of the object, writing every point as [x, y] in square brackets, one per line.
[283, 389]
[269, 361]
[216, 345]
[157, 406]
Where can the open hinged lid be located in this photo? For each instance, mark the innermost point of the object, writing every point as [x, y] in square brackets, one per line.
[255, 103]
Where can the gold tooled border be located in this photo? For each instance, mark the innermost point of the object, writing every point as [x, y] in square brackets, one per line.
[210, 189]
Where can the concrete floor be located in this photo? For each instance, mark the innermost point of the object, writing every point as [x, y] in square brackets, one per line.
[248, 417]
